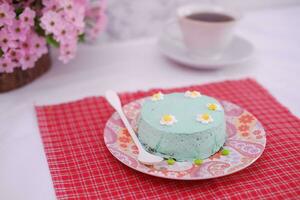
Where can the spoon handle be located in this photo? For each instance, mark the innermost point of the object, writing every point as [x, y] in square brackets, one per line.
[114, 100]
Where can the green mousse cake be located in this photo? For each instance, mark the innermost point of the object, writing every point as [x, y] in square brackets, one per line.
[183, 126]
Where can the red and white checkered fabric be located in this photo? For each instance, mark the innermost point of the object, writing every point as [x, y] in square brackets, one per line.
[82, 168]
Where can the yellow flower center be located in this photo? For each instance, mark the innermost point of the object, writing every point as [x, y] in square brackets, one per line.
[194, 93]
[167, 118]
[156, 96]
[205, 116]
[212, 106]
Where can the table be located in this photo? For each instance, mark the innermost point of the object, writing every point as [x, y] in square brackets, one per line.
[129, 66]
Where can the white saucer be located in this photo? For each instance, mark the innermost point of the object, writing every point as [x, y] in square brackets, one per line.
[171, 45]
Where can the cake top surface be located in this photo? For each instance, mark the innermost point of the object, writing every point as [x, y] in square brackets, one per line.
[184, 113]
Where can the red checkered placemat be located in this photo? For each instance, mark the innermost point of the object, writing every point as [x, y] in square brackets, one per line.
[82, 168]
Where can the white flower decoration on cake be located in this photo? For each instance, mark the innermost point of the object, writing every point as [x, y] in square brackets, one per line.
[168, 120]
[157, 96]
[192, 94]
[204, 118]
[214, 107]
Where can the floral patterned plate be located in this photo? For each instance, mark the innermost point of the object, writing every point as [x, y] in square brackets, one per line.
[246, 141]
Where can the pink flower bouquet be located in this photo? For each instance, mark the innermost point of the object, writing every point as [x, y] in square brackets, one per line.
[28, 27]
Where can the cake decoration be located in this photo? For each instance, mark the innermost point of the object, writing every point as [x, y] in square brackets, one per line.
[157, 96]
[171, 161]
[214, 107]
[192, 94]
[204, 118]
[225, 152]
[168, 120]
[198, 162]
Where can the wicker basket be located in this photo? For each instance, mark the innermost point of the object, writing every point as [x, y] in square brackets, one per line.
[18, 78]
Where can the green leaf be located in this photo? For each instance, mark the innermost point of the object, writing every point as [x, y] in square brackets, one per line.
[19, 10]
[38, 29]
[51, 41]
[1, 52]
[81, 37]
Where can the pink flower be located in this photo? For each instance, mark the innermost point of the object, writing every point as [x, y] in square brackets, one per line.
[7, 14]
[6, 64]
[6, 41]
[67, 51]
[50, 5]
[96, 9]
[75, 17]
[15, 55]
[52, 22]
[17, 31]
[66, 33]
[73, 14]
[99, 25]
[64, 20]
[27, 46]
[66, 4]
[27, 17]
[28, 61]
[30, 50]
[83, 3]
[96, 19]
[37, 45]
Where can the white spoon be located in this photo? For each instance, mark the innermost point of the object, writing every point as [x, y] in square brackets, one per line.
[144, 156]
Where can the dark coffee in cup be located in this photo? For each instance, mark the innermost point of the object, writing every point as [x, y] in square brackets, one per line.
[210, 17]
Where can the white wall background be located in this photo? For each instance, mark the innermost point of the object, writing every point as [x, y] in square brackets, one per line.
[132, 19]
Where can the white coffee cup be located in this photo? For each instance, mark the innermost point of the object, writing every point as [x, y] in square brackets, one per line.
[206, 38]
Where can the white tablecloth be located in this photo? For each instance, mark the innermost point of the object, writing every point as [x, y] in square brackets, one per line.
[129, 66]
